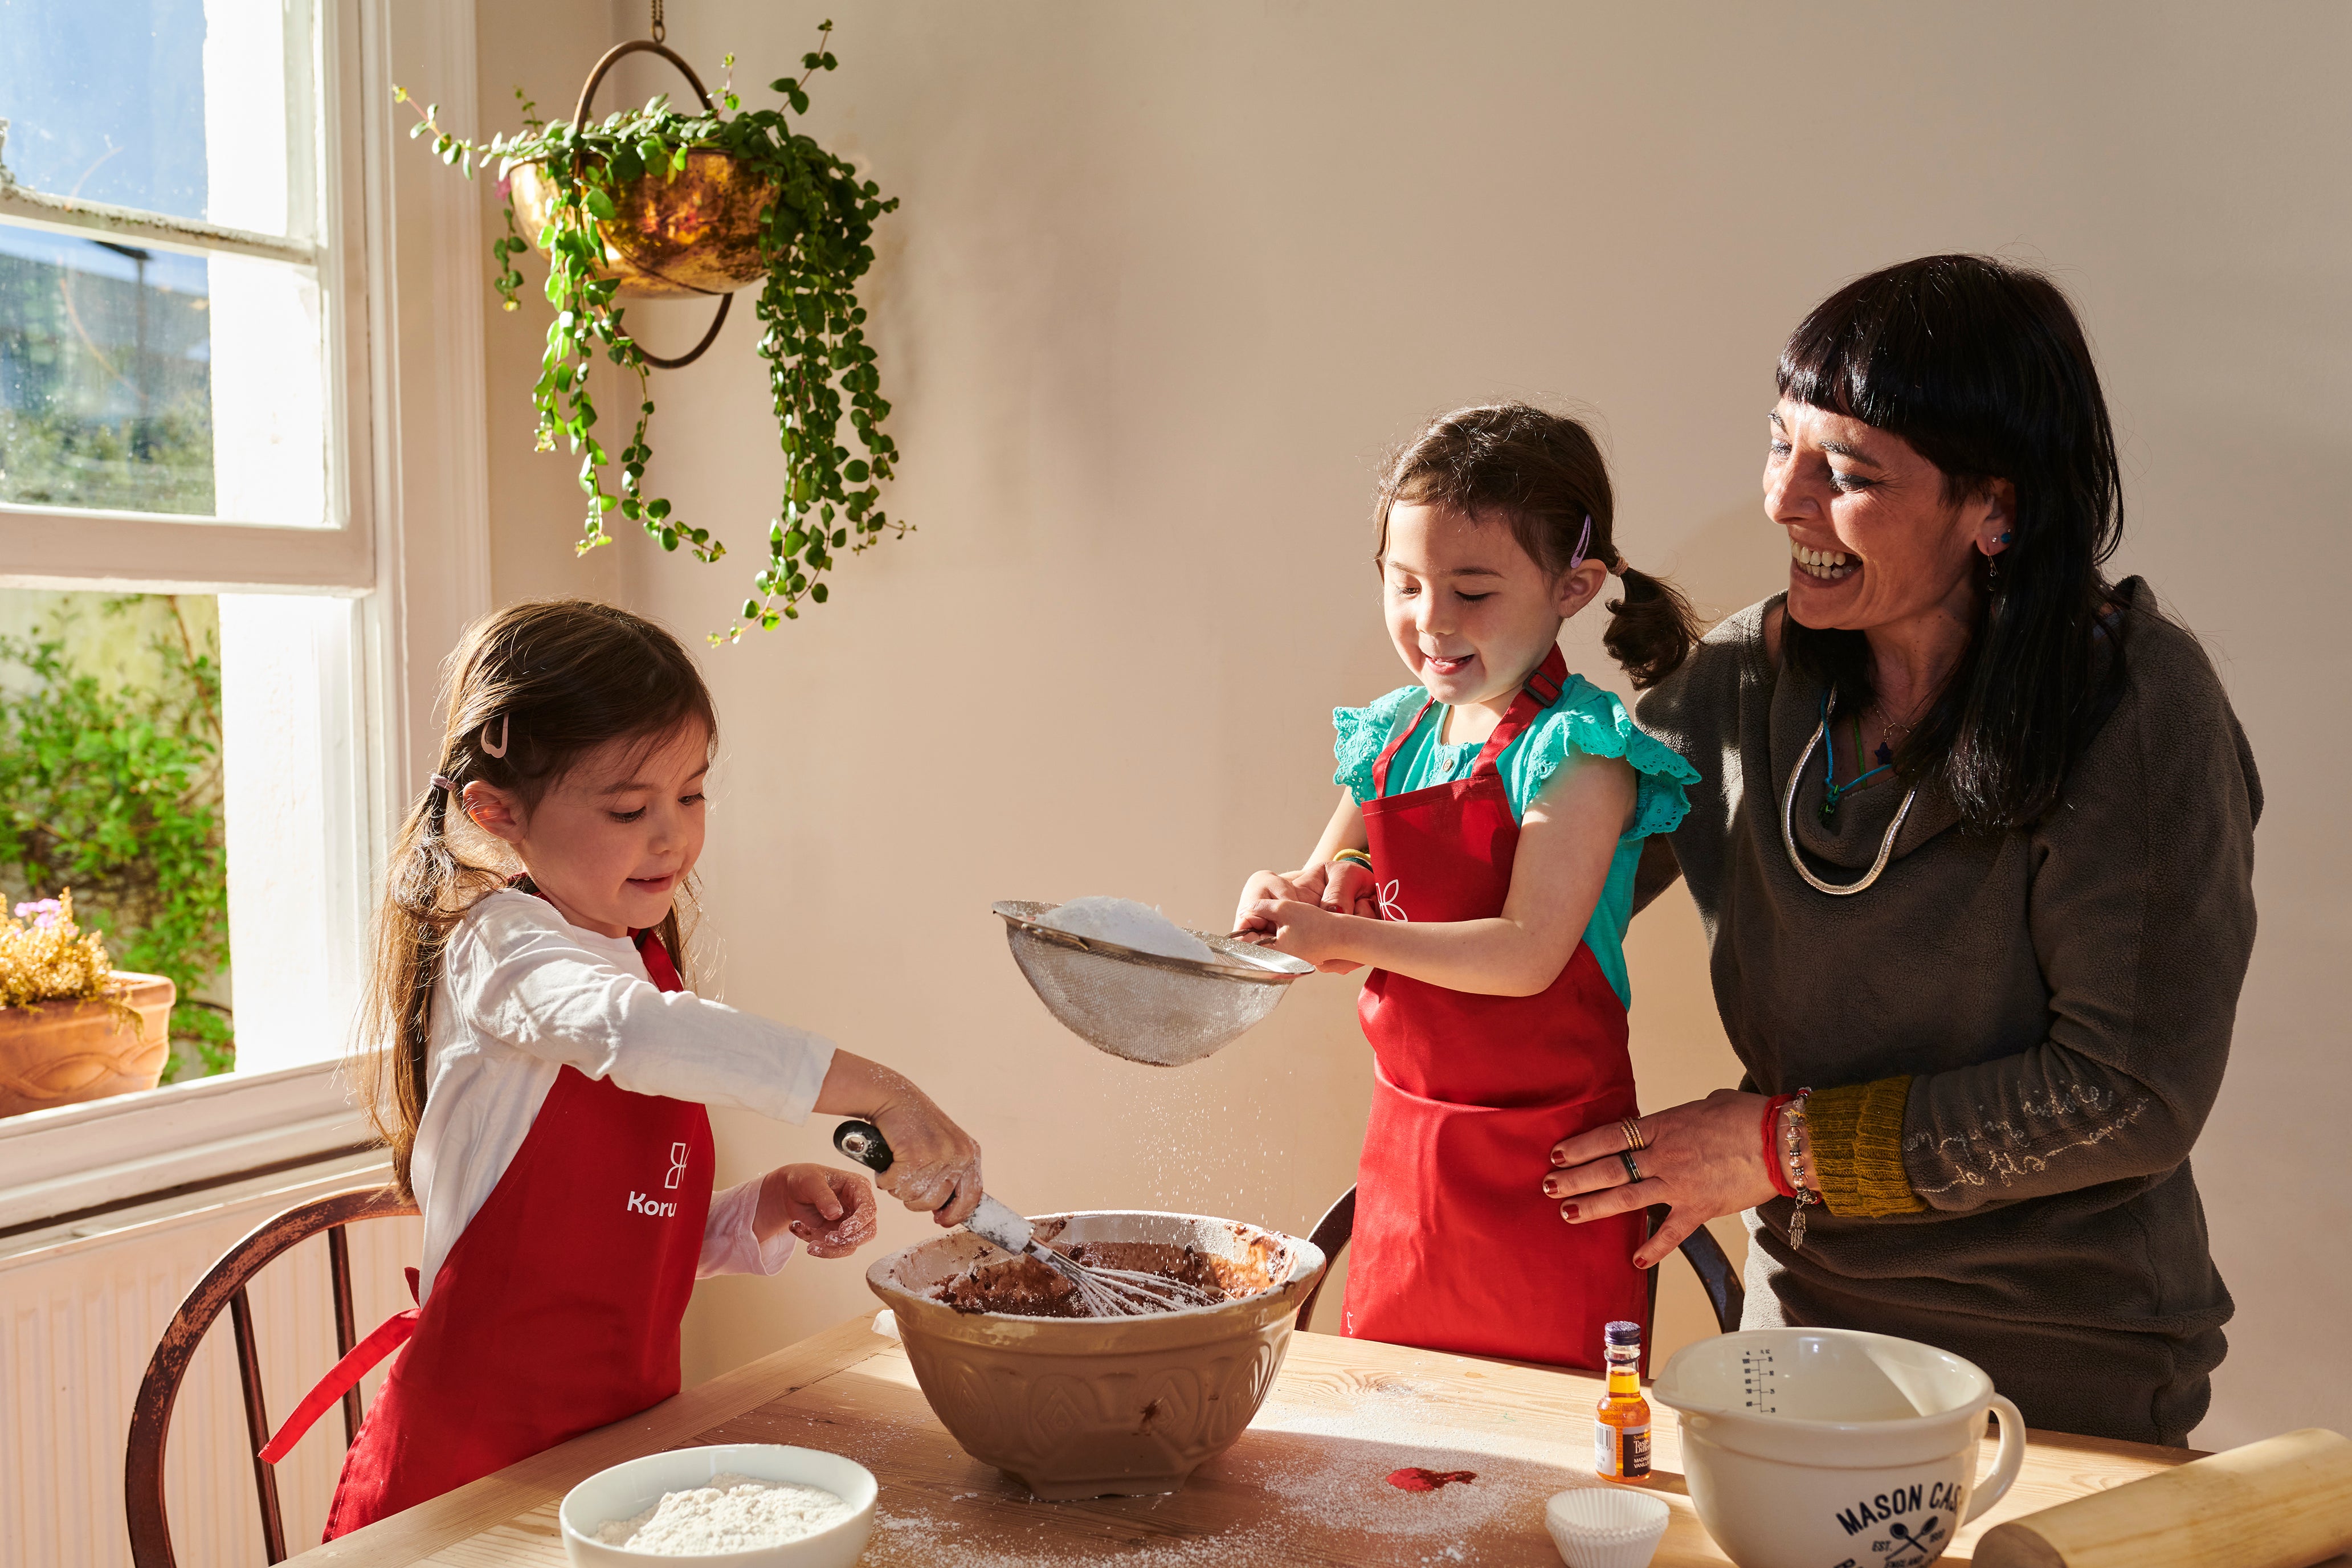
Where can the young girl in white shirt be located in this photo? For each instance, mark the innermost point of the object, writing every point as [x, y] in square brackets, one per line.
[539, 1069]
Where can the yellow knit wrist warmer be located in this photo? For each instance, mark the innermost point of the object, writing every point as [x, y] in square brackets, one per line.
[1857, 1139]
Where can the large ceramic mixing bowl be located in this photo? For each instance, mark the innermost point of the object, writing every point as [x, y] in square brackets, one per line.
[1100, 1407]
[1811, 1447]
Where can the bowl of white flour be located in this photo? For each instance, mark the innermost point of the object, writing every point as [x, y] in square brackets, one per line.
[749, 1505]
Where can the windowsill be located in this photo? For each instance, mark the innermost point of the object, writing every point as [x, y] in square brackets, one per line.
[106, 1154]
[279, 1190]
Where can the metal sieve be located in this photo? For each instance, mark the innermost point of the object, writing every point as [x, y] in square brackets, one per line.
[1141, 1005]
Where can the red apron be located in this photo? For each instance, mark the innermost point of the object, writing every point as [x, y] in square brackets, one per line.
[557, 1309]
[1457, 1247]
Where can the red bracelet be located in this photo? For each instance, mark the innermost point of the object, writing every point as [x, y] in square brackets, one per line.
[1772, 1144]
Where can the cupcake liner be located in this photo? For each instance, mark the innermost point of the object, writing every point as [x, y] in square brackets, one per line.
[1605, 1527]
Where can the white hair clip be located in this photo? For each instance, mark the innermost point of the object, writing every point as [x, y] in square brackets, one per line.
[499, 749]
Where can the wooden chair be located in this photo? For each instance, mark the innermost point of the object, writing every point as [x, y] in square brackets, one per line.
[151, 1416]
[1724, 1291]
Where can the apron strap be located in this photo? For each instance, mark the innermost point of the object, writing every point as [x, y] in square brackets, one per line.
[389, 1336]
[1542, 689]
[1388, 755]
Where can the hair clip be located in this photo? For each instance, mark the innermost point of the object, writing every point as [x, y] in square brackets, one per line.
[1582, 540]
[499, 749]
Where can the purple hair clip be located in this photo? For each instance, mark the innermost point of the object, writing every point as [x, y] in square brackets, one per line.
[1583, 541]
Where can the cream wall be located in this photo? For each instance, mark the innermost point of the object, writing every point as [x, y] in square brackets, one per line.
[1165, 280]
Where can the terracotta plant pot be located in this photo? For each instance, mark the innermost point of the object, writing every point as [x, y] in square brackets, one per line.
[1100, 1407]
[669, 239]
[62, 1053]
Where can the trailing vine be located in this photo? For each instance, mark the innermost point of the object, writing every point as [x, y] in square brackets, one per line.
[816, 242]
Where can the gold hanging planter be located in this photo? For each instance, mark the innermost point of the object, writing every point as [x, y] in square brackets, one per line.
[695, 234]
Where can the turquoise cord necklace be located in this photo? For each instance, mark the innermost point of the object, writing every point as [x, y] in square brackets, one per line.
[1832, 791]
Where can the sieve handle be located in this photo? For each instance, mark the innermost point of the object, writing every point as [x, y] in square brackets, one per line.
[993, 1221]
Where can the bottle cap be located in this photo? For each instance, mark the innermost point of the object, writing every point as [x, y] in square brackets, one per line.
[1623, 1333]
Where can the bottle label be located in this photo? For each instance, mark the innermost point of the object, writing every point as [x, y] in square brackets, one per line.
[1621, 1450]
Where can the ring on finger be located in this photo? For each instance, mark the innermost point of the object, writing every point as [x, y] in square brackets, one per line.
[1632, 1131]
[1633, 1171]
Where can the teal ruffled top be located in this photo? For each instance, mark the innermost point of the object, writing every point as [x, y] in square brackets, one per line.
[1586, 721]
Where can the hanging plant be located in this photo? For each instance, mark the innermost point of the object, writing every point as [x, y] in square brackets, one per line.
[658, 202]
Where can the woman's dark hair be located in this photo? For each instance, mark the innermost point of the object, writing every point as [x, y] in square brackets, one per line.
[1982, 367]
[533, 688]
[1543, 474]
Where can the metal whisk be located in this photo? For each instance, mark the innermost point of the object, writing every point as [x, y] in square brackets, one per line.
[1102, 1292]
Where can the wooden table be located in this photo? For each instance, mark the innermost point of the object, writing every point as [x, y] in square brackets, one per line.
[1305, 1484]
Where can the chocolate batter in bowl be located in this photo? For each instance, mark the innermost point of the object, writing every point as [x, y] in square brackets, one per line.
[1078, 1407]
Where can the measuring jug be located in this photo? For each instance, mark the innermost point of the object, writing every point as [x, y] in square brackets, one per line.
[1833, 1448]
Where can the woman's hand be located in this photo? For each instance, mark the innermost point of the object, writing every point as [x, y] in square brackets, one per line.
[831, 1211]
[1304, 931]
[1350, 888]
[935, 1165]
[1704, 1159]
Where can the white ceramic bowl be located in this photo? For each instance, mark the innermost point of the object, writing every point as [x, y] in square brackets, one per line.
[628, 1489]
[1606, 1526]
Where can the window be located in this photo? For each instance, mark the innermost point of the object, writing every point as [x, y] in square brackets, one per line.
[207, 347]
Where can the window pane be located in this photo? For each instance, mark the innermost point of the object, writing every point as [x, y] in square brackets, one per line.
[194, 109]
[111, 784]
[106, 387]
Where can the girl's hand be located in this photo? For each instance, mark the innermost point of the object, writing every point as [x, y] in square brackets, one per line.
[1307, 886]
[936, 1164]
[1304, 931]
[936, 1168]
[831, 1211]
[1704, 1159]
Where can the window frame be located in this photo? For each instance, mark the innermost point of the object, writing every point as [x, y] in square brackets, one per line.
[402, 280]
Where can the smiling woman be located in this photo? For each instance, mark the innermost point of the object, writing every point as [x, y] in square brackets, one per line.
[1974, 846]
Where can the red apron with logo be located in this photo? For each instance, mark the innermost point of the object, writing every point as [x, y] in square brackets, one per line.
[557, 1309]
[1457, 1247]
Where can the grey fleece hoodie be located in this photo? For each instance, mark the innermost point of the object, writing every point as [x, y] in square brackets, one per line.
[2061, 996]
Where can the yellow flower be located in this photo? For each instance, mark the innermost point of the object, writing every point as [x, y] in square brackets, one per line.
[44, 957]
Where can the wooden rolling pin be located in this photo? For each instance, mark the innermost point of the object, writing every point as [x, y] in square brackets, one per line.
[2283, 1502]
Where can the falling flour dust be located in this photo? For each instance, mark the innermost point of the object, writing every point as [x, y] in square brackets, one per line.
[733, 1513]
[1129, 924]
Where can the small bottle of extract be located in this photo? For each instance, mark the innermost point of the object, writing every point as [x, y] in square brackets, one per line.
[1621, 1428]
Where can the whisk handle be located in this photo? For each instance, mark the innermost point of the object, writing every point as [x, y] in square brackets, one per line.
[863, 1141]
[993, 1221]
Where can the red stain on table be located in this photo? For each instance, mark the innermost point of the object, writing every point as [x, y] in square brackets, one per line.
[1413, 1478]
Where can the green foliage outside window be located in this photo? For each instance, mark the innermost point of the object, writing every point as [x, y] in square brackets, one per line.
[113, 787]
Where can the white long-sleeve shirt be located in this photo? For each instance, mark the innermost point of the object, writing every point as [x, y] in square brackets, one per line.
[525, 994]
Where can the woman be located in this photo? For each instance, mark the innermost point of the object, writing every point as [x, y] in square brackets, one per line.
[1974, 848]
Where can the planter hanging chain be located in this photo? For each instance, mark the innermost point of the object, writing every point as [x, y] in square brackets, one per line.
[580, 117]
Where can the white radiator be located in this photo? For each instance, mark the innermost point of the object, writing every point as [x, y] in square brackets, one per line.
[80, 1315]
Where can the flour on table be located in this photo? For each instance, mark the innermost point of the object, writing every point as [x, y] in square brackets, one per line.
[733, 1513]
[1129, 924]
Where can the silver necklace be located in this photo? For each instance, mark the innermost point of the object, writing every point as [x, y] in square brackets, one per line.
[1787, 820]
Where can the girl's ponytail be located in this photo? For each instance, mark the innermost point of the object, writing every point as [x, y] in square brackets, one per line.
[533, 688]
[1651, 630]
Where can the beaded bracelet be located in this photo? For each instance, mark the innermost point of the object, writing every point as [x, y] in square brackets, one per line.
[1795, 1143]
